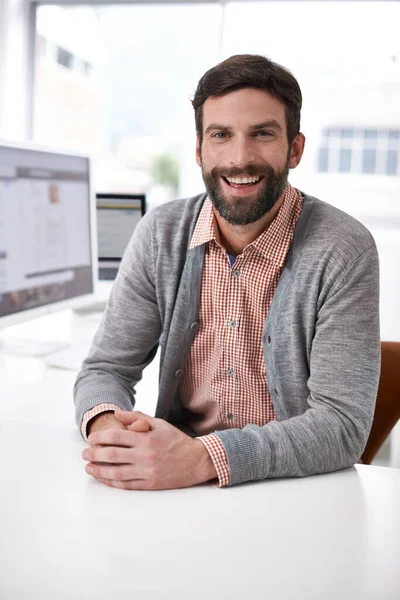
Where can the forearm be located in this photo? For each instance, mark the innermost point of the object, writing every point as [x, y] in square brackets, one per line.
[305, 445]
[127, 338]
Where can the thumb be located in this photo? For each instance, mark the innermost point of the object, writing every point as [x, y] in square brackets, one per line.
[141, 425]
[128, 417]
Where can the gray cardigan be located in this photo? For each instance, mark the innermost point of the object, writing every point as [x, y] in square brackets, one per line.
[320, 340]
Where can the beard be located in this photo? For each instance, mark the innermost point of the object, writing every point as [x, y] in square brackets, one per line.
[247, 209]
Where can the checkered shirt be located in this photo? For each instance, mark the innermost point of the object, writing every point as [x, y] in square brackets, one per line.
[224, 383]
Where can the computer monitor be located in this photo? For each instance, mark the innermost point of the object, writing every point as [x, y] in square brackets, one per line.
[48, 256]
[117, 217]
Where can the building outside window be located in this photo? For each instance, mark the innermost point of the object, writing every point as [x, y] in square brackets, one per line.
[65, 58]
[359, 150]
[132, 70]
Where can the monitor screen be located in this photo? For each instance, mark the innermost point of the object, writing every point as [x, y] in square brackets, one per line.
[117, 217]
[45, 229]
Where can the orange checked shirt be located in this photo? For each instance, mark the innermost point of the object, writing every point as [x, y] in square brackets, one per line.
[224, 384]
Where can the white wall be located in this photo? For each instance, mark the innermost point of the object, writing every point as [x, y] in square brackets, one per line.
[15, 70]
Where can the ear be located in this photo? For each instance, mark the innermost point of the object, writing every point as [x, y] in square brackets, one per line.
[296, 151]
[198, 150]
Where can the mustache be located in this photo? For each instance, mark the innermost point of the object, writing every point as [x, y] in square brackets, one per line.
[251, 169]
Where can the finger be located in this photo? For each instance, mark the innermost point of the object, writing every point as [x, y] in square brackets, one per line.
[133, 484]
[130, 416]
[116, 473]
[140, 426]
[114, 437]
[125, 416]
[108, 454]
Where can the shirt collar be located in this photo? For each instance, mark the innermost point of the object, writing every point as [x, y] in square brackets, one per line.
[206, 227]
[273, 243]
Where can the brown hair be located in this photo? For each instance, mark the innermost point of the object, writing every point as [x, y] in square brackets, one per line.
[250, 71]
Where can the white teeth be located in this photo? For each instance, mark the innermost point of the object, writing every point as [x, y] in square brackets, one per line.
[241, 180]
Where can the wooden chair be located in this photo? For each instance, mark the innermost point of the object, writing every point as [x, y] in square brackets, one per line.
[387, 410]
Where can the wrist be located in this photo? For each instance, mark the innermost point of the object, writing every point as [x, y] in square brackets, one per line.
[207, 470]
[99, 421]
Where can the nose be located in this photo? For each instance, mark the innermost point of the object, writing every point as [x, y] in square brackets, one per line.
[241, 151]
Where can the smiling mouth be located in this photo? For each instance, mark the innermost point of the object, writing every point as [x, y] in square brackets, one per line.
[243, 181]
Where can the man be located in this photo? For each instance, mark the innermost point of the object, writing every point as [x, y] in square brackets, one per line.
[263, 300]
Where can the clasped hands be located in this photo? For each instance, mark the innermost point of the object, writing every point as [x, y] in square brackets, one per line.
[131, 450]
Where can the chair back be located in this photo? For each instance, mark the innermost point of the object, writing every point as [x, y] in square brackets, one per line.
[387, 410]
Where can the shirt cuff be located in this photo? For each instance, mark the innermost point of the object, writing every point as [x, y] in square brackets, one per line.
[217, 454]
[93, 412]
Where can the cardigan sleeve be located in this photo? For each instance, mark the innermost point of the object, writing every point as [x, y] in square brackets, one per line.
[128, 335]
[340, 385]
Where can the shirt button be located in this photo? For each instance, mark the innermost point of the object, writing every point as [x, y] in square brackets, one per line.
[236, 273]
[232, 323]
[230, 372]
[229, 416]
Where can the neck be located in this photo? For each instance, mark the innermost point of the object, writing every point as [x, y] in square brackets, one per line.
[235, 238]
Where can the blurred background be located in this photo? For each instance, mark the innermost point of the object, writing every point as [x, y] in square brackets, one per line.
[115, 80]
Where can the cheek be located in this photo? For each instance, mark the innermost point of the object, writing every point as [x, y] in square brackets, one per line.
[213, 156]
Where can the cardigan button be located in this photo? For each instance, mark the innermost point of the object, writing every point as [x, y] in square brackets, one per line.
[178, 373]
[194, 326]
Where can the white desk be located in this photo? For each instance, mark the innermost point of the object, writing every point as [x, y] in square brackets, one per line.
[31, 390]
[64, 536]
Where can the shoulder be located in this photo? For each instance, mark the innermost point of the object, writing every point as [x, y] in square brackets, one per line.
[175, 217]
[165, 231]
[323, 227]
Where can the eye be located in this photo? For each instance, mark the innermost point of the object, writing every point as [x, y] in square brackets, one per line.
[263, 133]
[220, 135]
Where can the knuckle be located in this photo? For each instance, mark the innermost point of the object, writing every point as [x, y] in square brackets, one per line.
[154, 473]
[112, 454]
[151, 458]
[114, 436]
[149, 441]
[117, 476]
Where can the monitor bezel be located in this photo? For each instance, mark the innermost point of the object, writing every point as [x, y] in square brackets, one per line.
[69, 303]
[106, 261]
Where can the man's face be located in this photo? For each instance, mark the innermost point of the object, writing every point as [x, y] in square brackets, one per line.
[245, 155]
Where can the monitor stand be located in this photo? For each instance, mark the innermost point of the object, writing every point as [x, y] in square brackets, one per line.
[99, 302]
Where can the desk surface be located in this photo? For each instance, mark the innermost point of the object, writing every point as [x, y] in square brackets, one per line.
[64, 536]
[32, 391]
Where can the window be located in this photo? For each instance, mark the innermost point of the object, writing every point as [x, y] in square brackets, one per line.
[41, 45]
[140, 64]
[65, 58]
[345, 160]
[355, 150]
[130, 108]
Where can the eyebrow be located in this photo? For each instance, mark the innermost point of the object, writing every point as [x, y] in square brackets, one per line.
[217, 126]
[272, 124]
